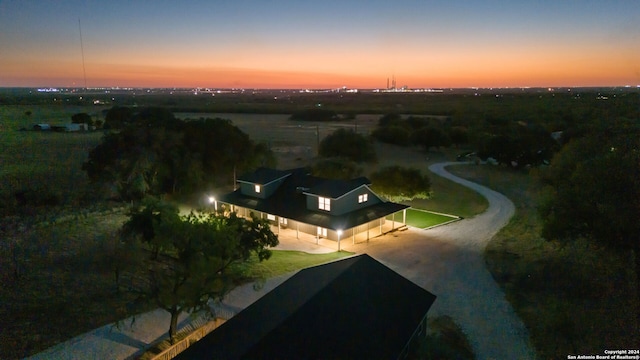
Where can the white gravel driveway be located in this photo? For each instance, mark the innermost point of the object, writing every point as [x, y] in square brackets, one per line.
[448, 261]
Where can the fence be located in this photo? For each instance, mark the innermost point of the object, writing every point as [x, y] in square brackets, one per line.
[183, 344]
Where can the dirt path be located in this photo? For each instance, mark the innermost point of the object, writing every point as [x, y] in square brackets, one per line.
[448, 261]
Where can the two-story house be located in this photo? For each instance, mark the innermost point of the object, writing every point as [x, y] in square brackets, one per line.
[324, 208]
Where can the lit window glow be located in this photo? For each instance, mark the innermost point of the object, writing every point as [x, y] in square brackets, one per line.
[324, 203]
[258, 188]
[322, 231]
[363, 198]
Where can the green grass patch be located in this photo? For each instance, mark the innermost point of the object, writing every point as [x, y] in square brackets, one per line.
[424, 219]
[451, 198]
[284, 261]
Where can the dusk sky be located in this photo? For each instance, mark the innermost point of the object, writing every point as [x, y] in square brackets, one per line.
[320, 44]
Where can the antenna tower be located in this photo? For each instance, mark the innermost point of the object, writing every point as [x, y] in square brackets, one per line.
[84, 70]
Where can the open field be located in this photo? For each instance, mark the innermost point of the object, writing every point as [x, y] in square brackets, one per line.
[63, 267]
[45, 166]
[64, 284]
[574, 299]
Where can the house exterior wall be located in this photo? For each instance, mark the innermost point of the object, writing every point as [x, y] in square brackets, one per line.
[249, 189]
[361, 232]
[345, 204]
[349, 202]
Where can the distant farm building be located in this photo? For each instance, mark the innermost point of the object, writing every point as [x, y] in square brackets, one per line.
[70, 127]
[41, 127]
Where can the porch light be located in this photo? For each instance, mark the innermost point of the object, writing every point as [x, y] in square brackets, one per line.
[213, 201]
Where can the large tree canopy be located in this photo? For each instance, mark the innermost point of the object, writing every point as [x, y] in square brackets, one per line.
[157, 154]
[336, 168]
[401, 184]
[592, 190]
[429, 137]
[82, 118]
[194, 258]
[348, 144]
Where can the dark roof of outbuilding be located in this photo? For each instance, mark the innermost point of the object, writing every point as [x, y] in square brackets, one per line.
[263, 176]
[289, 201]
[355, 308]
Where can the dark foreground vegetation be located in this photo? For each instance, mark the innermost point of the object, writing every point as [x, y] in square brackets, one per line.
[567, 261]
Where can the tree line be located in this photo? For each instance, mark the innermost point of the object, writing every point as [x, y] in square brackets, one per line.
[150, 152]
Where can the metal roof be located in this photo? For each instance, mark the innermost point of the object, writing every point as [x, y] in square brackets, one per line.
[263, 176]
[354, 308]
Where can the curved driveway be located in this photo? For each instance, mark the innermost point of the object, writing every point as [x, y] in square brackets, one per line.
[448, 261]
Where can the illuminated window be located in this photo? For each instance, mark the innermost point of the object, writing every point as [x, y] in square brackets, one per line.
[257, 188]
[324, 203]
[271, 217]
[283, 221]
[363, 198]
[322, 231]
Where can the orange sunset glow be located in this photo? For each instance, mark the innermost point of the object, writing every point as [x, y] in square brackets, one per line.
[257, 46]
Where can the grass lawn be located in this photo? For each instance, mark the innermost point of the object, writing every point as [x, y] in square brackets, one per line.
[284, 261]
[424, 219]
[65, 285]
[451, 198]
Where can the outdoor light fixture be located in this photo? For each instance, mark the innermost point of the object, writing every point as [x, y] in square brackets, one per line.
[213, 201]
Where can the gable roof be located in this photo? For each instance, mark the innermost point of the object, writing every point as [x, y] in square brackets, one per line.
[263, 176]
[355, 308]
[334, 189]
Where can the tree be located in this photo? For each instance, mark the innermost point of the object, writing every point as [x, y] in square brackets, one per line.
[401, 184]
[592, 191]
[459, 135]
[118, 117]
[198, 255]
[429, 137]
[389, 119]
[158, 154]
[145, 218]
[348, 144]
[336, 168]
[82, 118]
[392, 134]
